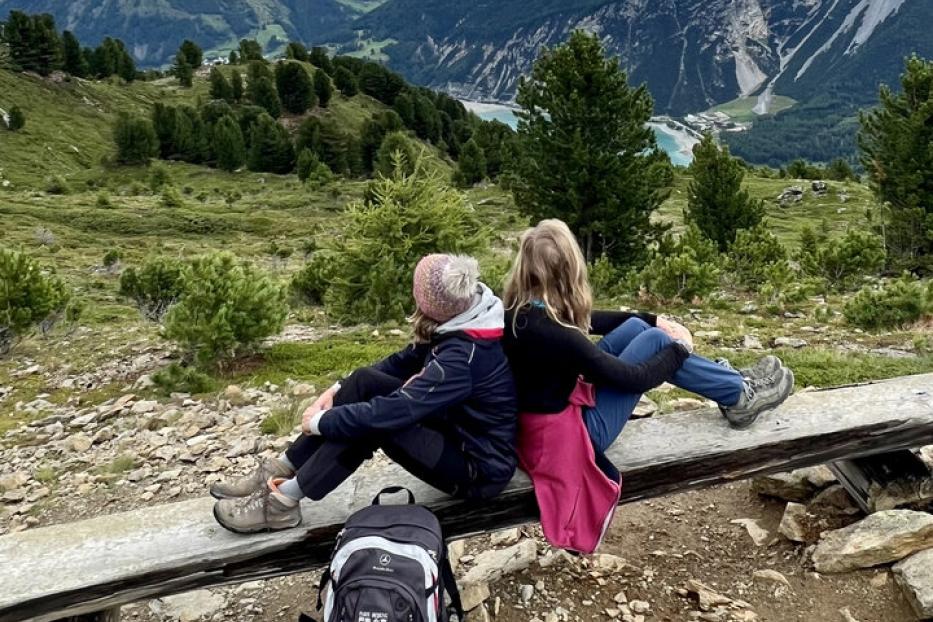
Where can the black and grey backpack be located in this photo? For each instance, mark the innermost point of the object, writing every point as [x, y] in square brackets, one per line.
[390, 565]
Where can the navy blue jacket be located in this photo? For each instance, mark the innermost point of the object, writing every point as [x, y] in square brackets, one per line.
[458, 383]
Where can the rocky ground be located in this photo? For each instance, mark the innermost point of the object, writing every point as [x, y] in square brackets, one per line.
[739, 552]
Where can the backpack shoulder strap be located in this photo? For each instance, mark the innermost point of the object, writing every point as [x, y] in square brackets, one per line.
[450, 585]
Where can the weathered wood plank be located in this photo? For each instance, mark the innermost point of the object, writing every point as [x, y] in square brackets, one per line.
[100, 563]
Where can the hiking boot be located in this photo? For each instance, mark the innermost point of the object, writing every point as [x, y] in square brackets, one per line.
[759, 395]
[255, 481]
[264, 510]
[764, 368]
[767, 366]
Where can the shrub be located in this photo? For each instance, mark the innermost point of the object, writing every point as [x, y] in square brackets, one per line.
[158, 177]
[44, 237]
[310, 283]
[682, 269]
[605, 278]
[396, 153]
[176, 378]
[30, 298]
[56, 184]
[407, 216]
[171, 198]
[135, 139]
[894, 305]
[103, 200]
[16, 119]
[227, 309]
[112, 258]
[155, 287]
[841, 262]
[753, 255]
[311, 170]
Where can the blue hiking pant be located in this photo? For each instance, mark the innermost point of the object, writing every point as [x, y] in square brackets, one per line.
[635, 342]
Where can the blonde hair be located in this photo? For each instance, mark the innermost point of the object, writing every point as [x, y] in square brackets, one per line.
[422, 327]
[550, 268]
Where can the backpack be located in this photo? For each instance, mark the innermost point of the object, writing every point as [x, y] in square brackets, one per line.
[390, 565]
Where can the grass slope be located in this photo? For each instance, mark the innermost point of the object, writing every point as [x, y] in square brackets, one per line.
[740, 109]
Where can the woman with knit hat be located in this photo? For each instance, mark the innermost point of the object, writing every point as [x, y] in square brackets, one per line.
[444, 408]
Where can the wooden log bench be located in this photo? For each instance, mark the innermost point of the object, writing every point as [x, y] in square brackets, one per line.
[90, 568]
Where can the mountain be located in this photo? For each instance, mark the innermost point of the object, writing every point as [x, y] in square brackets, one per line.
[691, 53]
[153, 29]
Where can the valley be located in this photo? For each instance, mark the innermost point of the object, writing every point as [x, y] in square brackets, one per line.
[107, 410]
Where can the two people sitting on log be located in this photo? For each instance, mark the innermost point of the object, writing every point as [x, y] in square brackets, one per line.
[443, 408]
[575, 396]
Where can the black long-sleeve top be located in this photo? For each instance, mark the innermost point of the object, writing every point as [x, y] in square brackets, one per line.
[547, 358]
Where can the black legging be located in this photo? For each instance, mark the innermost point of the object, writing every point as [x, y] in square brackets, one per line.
[433, 455]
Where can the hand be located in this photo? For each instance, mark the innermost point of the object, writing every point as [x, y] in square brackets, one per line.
[676, 331]
[306, 420]
[325, 401]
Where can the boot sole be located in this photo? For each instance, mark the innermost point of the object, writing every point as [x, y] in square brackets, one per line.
[770, 408]
[251, 531]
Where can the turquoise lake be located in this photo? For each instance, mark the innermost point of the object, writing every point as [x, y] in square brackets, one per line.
[667, 138]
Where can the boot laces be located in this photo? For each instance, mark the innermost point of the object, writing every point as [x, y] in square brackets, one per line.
[255, 501]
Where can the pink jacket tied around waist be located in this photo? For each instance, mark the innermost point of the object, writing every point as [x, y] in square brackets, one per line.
[577, 500]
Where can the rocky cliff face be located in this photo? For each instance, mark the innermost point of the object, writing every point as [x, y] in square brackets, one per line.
[691, 53]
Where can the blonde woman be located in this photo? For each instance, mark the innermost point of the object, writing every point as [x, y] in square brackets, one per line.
[575, 396]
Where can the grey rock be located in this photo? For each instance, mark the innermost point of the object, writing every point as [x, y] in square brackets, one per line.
[751, 342]
[881, 538]
[798, 485]
[188, 607]
[794, 522]
[473, 595]
[490, 566]
[790, 342]
[505, 537]
[915, 576]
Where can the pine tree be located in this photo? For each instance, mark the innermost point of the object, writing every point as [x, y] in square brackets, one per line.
[323, 88]
[471, 168]
[261, 91]
[265, 96]
[270, 148]
[220, 87]
[135, 138]
[497, 140]
[374, 131]
[321, 60]
[236, 86]
[346, 82]
[405, 107]
[125, 65]
[73, 60]
[33, 42]
[228, 145]
[17, 119]
[309, 136]
[183, 71]
[192, 53]
[250, 50]
[234, 58]
[716, 201]
[311, 169]
[894, 140]
[584, 152]
[296, 51]
[163, 123]
[294, 87]
[396, 155]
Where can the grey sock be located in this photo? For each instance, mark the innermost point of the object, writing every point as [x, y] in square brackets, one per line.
[284, 460]
[291, 489]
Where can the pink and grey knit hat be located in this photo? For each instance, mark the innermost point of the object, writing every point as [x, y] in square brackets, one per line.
[444, 285]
